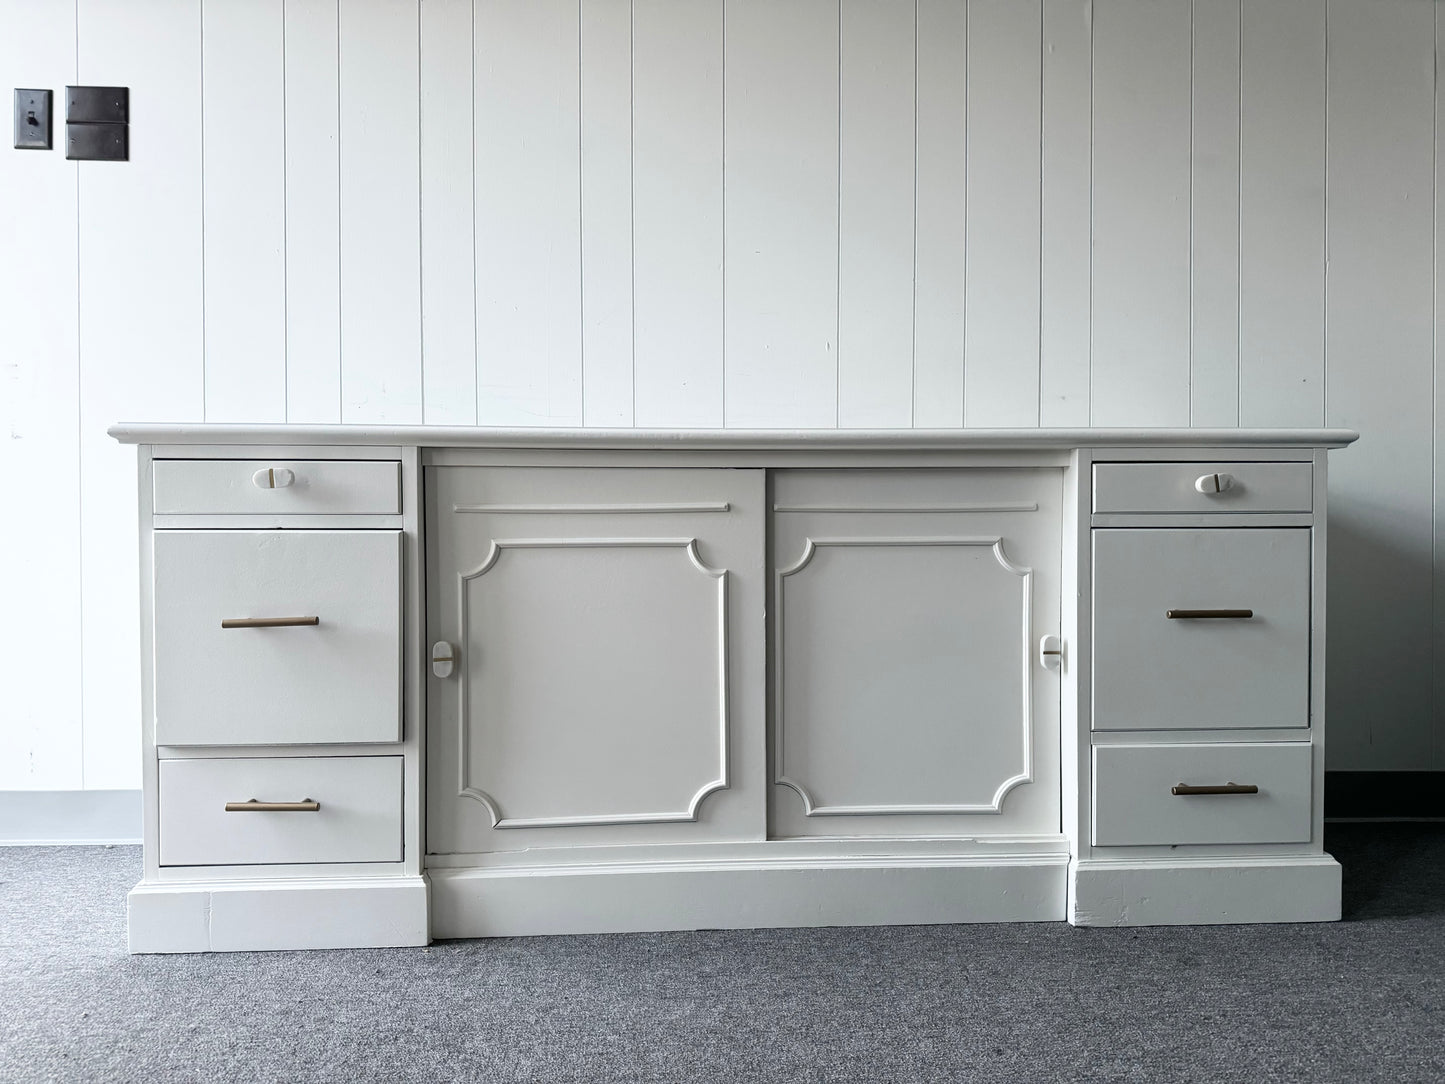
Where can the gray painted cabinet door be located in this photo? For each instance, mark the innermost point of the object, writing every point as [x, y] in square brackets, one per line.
[906, 613]
[607, 632]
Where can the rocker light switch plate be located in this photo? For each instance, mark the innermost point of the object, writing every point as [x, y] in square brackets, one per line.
[32, 119]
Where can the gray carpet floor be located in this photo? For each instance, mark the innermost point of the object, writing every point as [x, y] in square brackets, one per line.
[1360, 1000]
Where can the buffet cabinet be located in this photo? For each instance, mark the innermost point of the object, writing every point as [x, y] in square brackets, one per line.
[414, 683]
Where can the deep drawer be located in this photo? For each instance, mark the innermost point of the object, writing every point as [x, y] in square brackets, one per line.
[1134, 802]
[357, 816]
[1194, 670]
[1176, 487]
[276, 487]
[334, 678]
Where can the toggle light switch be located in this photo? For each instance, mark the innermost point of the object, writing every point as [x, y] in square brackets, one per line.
[32, 119]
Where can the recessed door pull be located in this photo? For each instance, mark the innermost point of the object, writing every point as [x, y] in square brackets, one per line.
[1227, 788]
[305, 805]
[1214, 483]
[1193, 614]
[1051, 652]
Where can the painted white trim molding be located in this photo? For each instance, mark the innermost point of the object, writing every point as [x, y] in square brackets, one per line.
[43, 818]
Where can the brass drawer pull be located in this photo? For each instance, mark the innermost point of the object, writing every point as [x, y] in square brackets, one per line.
[267, 622]
[1227, 788]
[1208, 613]
[305, 805]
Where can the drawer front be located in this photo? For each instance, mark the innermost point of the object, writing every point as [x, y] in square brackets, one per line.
[1134, 803]
[220, 487]
[357, 819]
[337, 680]
[1154, 672]
[1171, 487]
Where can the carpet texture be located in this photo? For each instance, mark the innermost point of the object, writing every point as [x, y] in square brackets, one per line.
[1360, 1000]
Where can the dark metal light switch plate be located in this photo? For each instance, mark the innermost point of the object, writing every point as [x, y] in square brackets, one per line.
[97, 105]
[97, 142]
[32, 119]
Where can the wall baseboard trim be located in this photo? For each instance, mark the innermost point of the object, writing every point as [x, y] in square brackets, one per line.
[42, 818]
[1384, 795]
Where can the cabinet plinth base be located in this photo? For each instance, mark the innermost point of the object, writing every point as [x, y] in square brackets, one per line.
[216, 916]
[513, 902]
[1203, 892]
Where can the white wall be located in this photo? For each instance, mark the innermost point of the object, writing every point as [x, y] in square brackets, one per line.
[720, 212]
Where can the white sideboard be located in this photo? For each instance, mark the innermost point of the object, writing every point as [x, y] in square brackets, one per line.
[414, 682]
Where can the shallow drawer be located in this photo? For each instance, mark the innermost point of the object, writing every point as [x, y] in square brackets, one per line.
[334, 678]
[276, 487]
[1173, 487]
[1134, 801]
[1196, 672]
[357, 814]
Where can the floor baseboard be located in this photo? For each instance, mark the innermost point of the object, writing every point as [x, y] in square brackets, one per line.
[39, 818]
[1384, 795]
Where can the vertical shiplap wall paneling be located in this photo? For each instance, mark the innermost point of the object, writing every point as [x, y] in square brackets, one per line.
[448, 239]
[1064, 271]
[381, 373]
[528, 213]
[40, 723]
[876, 212]
[1001, 291]
[677, 207]
[1380, 327]
[243, 199]
[1282, 213]
[1141, 117]
[781, 266]
[1214, 215]
[607, 165]
[313, 212]
[940, 165]
[141, 339]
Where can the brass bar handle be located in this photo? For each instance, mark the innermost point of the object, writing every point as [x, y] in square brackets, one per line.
[306, 805]
[1208, 613]
[267, 622]
[1227, 788]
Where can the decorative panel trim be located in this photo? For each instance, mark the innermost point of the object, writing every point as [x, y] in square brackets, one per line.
[1000, 506]
[720, 782]
[591, 509]
[811, 807]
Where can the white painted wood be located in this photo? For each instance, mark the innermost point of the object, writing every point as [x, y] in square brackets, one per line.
[1438, 476]
[381, 376]
[1001, 352]
[746, 895]
[358, 819]
[605, 59]
[1140, 312]
[677, 209]
[1106, 892]
[317, 487]
[1151, 672]
[605, 689]
[528, 213]
[313, 211]
[940, 143]
[314, 914]
[243, 184]
[1379, 304]
[877, 214]
[1134, 803]
[781, 259]
[41, 736]
[1282, 213]
[1214, 235]
[448, 236]
[1064, 281]
[1176, 487]
[141, 341]
[339, 680]
[908, 696]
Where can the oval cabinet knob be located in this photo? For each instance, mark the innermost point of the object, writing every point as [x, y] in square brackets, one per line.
[1214, 483]
[1051, 652]
[273, 477]
[443, 659]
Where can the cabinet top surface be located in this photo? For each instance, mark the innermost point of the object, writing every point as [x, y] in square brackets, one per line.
[434, 436]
